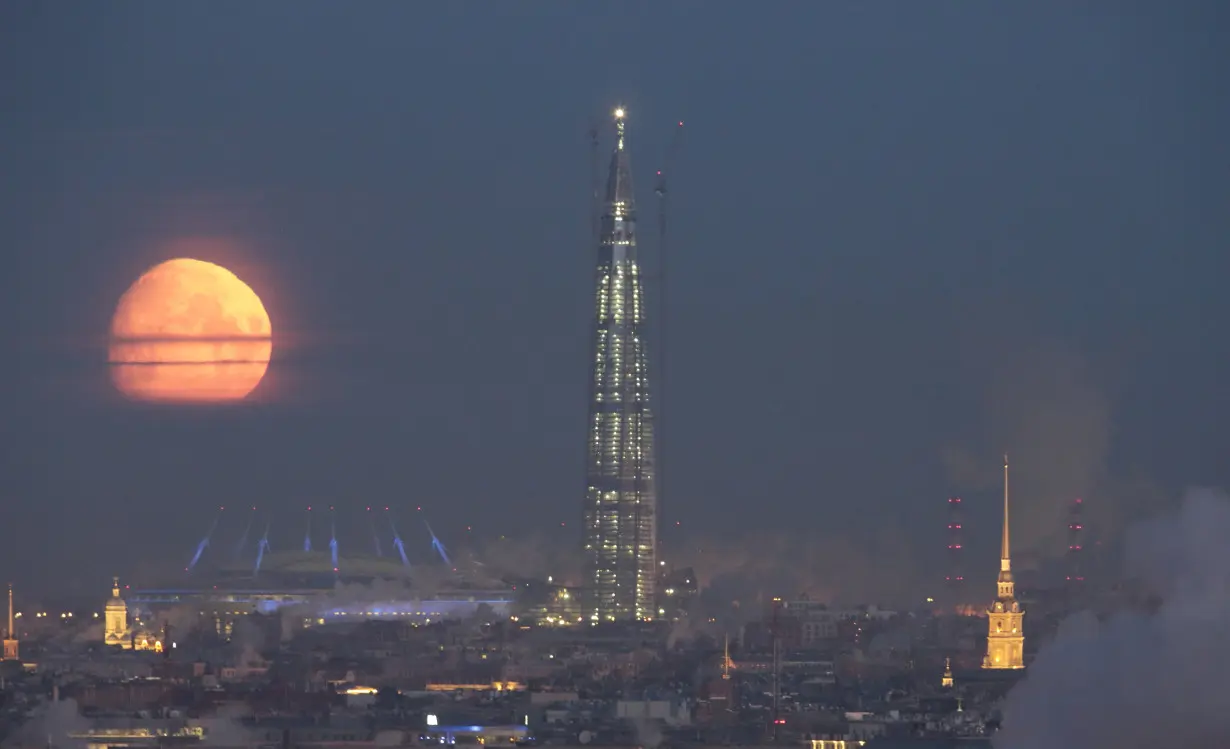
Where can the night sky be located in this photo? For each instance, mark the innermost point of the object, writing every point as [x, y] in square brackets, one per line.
[906, 238]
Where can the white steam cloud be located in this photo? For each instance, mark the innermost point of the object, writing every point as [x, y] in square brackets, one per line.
[1142, 679]
[52, 726]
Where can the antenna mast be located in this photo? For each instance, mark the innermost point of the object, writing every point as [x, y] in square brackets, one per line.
[955, 579]
[1076, 547]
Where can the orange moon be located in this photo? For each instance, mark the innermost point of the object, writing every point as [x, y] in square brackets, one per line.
[188, 331]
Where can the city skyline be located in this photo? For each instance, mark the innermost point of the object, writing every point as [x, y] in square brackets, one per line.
[339, 386]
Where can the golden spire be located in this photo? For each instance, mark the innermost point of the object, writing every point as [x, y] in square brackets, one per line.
[10, 637]
[1005, 552]
[115, 586]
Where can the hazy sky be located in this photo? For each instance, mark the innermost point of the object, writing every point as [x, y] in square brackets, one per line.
[907, 236]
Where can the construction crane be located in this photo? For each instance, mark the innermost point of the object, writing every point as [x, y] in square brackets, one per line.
[663, 194]
[595, 186]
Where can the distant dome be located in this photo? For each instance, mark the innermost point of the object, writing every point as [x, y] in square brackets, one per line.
[115, 603]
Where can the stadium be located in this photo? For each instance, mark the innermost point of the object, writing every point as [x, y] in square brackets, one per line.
[326, 588]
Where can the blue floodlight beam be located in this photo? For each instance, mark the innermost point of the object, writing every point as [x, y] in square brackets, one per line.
[333, 538]
[397, 542]
[204, 544]
[261, 547]
[435, 544]
[307, 534]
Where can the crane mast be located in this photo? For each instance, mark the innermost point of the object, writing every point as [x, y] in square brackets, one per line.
[660, 189]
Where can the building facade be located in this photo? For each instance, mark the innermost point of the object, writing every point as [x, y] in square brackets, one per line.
[1005, 617]
[620, 500]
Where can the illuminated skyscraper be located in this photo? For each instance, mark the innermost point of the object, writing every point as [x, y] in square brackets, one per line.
[620, 501]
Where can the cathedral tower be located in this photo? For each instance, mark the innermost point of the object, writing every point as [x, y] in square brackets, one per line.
[1005, 618]
[116, 630]
[620, 497]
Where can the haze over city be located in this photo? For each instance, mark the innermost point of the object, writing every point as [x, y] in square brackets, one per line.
[904, 241]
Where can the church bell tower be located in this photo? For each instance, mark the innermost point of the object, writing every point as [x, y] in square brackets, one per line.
[116, 630]
[1005, 618]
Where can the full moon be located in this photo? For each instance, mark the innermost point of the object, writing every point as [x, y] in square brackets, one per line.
[188, 331]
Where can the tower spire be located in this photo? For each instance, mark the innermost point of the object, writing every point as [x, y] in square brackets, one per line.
[619, 114]
[1005, 620]
[10, 635]
[1005, 554]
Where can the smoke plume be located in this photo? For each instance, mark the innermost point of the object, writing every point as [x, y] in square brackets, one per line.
[648, 732]
[745, 572]
[738, 573]
[226, 728]
[53, 725]
[534, 555]
[1142, 679]
[247, 639]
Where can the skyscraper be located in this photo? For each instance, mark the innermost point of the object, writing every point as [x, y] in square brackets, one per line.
[1005, 618]
[620, 500]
